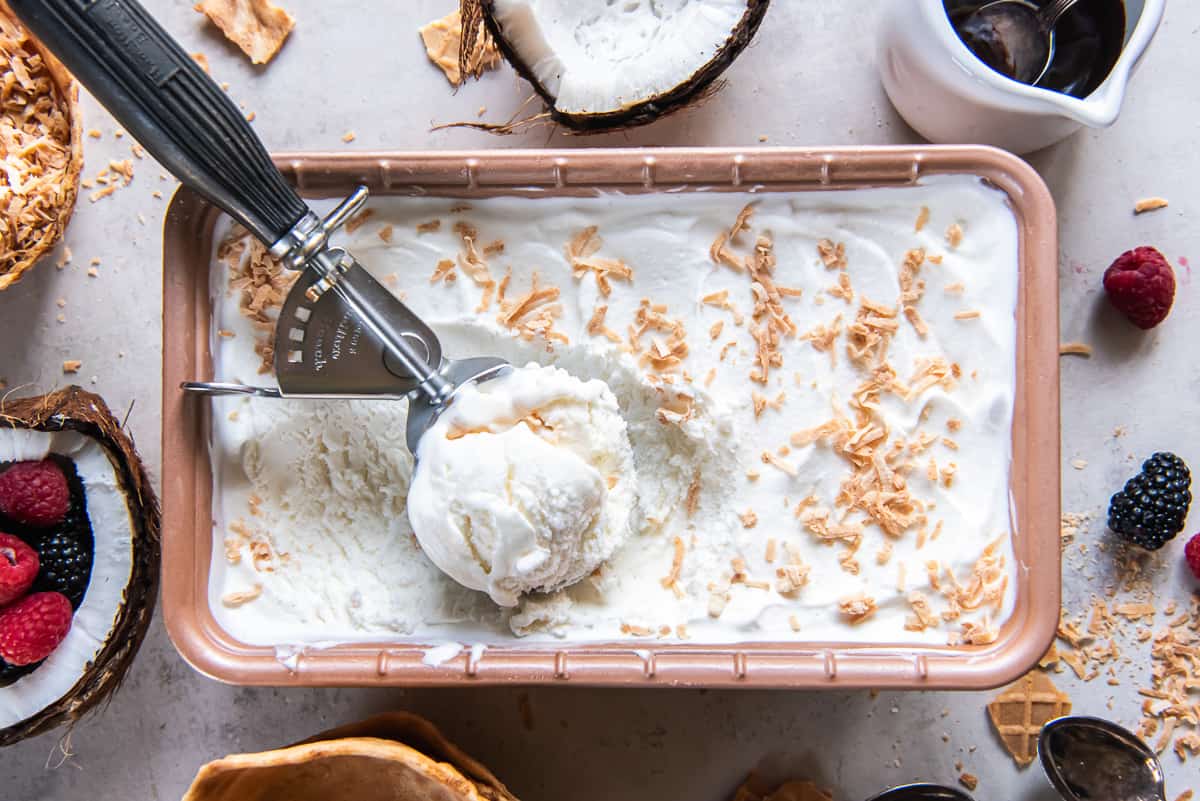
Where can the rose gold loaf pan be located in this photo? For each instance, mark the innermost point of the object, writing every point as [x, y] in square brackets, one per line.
[1034, 482]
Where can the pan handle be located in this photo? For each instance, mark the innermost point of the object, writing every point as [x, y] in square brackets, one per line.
[169, 104]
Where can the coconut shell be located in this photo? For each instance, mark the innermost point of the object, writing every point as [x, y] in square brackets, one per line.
[698, 87]
[396, 755]
[67, 91]
[75, 409]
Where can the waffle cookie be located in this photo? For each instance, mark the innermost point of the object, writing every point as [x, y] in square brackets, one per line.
[1021, 709]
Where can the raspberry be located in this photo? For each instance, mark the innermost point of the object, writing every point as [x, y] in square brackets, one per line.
[1141, 285]
[18, 568]
[33, 627]
[1153, 506]
[1192, 554]
[35, 493]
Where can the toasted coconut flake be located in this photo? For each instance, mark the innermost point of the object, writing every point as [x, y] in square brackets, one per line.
[692, 501]
[664, 355]
[233, 549]
[954, 236]
[671, 581]
[832, 255]
[1149, 204]
[791, 578]
[869, 336]
[676, 409]
[968, 314]
[429, 227]
[596, 326]
[474, 265]
[923, 617]
[1135, 611]
[263, 283]
[911, 290]
[749, 518]
[823, 338]
[580, 255]
[858, 608]
[761, 402]
[533, 314]
[1075, 349]
[71, 365]
[922, 219]
[742, 223]
[42, 150]
[779, 464]
[842, 289]
[236, 599]
[256, 26]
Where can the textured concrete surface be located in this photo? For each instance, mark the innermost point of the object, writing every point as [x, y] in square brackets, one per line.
[809, 79]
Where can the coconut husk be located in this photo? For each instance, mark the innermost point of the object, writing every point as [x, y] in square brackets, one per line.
[52, 193]
[478, 13]
[75, 409]
[390, 756]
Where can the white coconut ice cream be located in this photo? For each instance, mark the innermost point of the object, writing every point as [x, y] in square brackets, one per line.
[526, 483]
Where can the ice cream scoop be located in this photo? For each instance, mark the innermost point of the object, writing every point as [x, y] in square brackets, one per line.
[341, 333]
[525, 483]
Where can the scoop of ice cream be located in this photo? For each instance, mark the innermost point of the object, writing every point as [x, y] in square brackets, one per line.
[526, 483]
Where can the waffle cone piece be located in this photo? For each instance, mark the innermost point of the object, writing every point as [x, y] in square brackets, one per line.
[1022, 709]
[392, 757]
[755, 788]
[41, 147]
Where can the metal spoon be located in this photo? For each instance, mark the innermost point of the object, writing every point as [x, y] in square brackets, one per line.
[1089, 759]
[1014, 37]
[922, 792]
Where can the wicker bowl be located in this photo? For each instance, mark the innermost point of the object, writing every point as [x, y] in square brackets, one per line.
[44, 102]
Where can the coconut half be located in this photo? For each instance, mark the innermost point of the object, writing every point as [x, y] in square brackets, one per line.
[602, 64]
[112, 619]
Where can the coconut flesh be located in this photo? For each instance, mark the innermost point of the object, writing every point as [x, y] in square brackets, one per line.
[604, 63]
[112, 566]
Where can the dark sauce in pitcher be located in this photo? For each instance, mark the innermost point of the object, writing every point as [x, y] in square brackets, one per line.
[1088, 41]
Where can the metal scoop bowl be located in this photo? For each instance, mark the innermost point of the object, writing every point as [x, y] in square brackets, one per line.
[326, 347]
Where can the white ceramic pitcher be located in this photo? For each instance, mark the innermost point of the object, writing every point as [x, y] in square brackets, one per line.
[949, 96]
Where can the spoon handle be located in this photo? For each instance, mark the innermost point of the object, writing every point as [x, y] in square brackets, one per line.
[1050, 14]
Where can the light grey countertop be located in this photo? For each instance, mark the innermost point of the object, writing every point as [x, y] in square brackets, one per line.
[808, 79]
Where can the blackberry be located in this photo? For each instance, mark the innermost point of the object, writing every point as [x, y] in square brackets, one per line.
[66, 564]
[10, 673]
[1153, 506]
